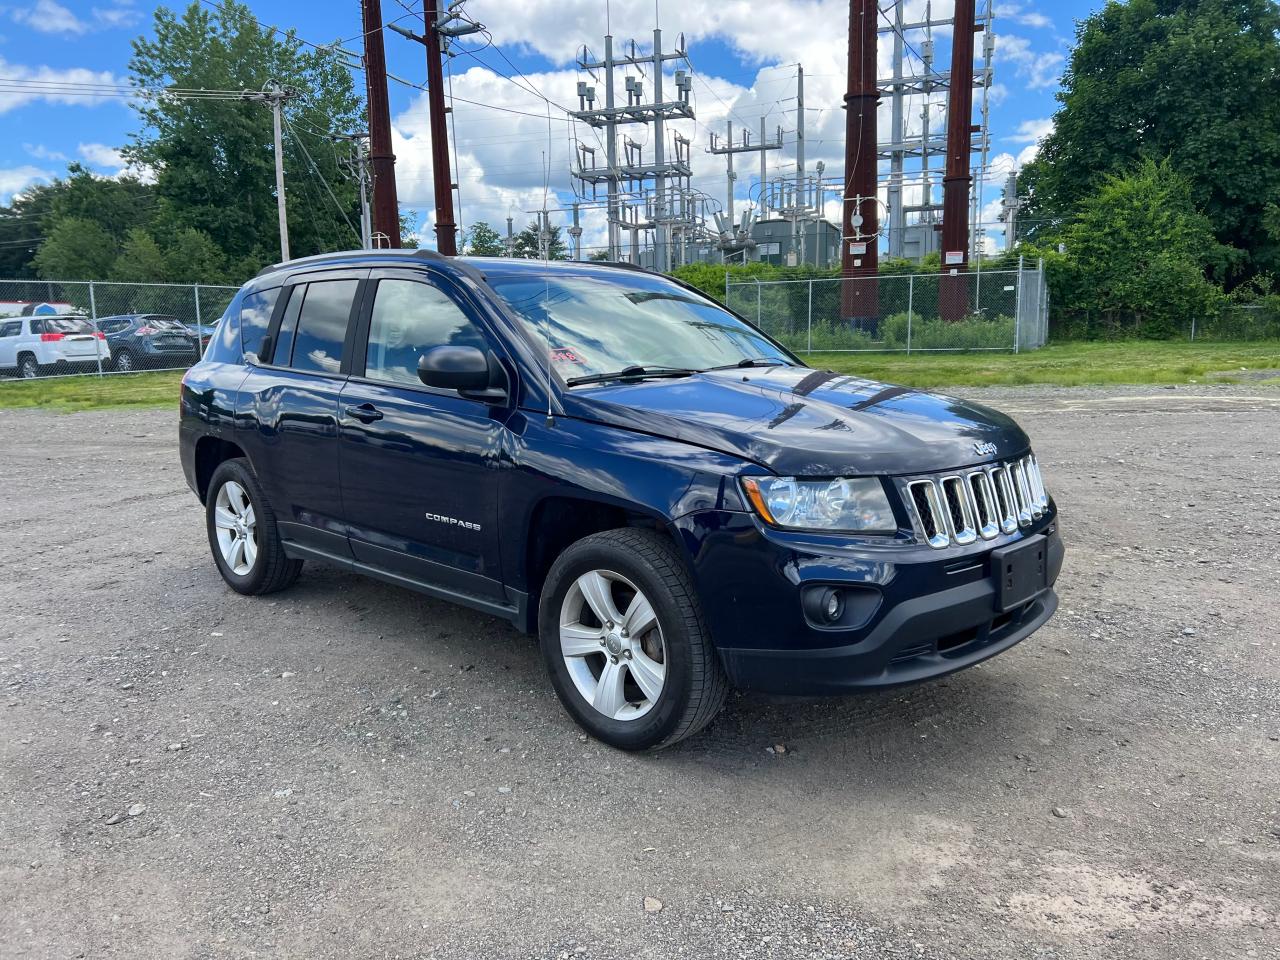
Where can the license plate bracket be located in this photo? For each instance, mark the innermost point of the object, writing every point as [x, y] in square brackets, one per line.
[1020, 571]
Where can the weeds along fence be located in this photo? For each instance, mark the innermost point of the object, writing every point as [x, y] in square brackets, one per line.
[144, 326]
[997, 310]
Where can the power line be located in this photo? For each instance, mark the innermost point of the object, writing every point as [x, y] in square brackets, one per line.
[315, 170]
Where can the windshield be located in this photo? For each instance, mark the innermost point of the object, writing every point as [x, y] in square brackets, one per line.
[602, 324]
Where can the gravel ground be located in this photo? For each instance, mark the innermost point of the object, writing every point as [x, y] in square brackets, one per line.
[351, 770]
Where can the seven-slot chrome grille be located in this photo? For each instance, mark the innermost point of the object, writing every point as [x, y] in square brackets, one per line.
[961, 507]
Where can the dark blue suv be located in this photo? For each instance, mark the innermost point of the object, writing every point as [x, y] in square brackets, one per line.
[609, 459]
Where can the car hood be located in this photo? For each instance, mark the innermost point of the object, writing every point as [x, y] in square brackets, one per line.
[802, 422]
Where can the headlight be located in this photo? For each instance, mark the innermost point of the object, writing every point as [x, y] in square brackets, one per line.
[849, 504]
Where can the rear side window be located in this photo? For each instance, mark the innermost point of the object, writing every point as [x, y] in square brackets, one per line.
[322, 325]
[255, 317]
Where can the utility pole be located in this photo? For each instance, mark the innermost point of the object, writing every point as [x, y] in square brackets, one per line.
[386, 208]
[276, 97]
[953, 292]
[897, 156]
[860, 229]
[575, 233]
[362, 177]
[801, 201]
[441, 28]
[510, 241]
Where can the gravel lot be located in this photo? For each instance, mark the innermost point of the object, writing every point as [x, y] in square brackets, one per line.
[348, 770]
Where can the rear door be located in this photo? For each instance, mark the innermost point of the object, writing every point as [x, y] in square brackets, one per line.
[76, 339]
[288, 406]
[420, 465]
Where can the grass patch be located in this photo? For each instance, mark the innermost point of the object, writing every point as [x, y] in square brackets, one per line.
[1065, 364]
[67, 394]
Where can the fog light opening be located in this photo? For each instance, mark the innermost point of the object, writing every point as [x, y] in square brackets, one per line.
[832, 605]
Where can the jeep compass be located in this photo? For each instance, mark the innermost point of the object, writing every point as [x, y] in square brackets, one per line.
[669, 499]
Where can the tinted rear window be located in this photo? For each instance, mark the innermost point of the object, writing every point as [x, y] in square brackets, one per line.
[322, 325]
[65, 325]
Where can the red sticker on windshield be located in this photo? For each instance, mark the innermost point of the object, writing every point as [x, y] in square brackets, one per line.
[565, 355]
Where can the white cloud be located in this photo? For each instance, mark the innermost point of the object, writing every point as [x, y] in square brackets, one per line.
[1032, 131]
[101, 155]
[1021, 15]
[13, 97]
[1040, 69]
[16, 179]
[119, 14]
[49, 16]
[41, 152]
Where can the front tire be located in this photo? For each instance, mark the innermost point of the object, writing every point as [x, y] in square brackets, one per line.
[623, 638]
[242, 533]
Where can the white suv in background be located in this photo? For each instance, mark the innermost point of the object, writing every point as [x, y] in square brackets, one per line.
[42, 345]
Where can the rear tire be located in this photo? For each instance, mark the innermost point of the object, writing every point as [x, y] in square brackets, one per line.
[644, 672]
[28, 368]
[243, 536]
[124, 362]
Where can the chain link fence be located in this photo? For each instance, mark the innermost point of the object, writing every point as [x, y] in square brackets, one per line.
[1006, 310]
[51, 328]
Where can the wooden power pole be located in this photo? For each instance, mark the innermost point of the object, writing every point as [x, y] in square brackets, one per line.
[446, 228]
[953, 291]
[386, 209]
[860, 229]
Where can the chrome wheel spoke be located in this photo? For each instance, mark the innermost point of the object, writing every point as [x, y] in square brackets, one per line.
[647, 673]
[223, 519]
[250, 551]
[598, 593]
[609, 698]
[248, 516]
[237, 555]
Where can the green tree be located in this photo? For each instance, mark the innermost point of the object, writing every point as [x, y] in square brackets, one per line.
[527, 246]
[1194, 81]
[213, 158]
[1137, 254]
[141, 259]
[484, 241]
[76, 249]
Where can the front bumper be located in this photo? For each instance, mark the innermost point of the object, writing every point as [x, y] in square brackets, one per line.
[933, 612]
[919, 640]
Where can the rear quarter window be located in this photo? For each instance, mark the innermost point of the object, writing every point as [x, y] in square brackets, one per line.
[255, 316]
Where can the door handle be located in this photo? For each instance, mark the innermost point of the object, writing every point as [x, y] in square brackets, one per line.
[365, 413]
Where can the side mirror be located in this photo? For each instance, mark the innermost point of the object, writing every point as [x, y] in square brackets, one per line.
[473, 372]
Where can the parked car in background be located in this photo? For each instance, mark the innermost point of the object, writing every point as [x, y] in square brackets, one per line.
[37, 346]
[149, 341]
[202, 332]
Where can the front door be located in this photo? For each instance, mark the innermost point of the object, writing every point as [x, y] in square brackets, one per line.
[289, 407]
[420, 465]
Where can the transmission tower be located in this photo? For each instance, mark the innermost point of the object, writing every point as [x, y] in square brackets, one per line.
[669, 174]
[915, 138]
[735, 237]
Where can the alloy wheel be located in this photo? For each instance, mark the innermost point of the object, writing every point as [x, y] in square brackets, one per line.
[237, 528]
[612, 645]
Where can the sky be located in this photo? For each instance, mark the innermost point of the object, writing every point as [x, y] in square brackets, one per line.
[743, 62]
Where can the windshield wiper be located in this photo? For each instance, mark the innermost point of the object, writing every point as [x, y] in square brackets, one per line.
[633, 372]
[752, 362]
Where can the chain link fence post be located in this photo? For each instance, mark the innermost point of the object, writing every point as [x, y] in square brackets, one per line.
[911, 306]
[810, 325]
[1017, 308]
[759, 309]
[93, 318]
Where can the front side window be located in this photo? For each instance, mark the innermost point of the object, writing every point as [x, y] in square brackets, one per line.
[11, 329]
[595, 323]
[409, 318]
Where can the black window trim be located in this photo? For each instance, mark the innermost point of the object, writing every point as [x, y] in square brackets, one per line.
[461, 298]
